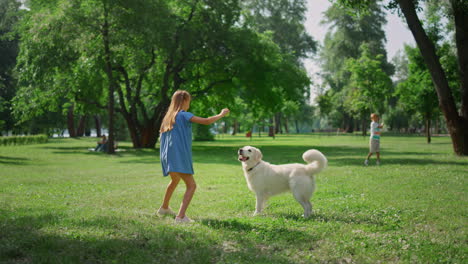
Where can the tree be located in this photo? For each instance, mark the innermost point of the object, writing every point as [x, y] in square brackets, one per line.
[396, 117]
[65, 54]
[285, 20]
[143, 51]
[417, 92]
[456, 119]
[346, 34]
[369, 85]
[9, 14]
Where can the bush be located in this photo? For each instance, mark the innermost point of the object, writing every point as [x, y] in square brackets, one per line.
[202, 133]
[23, 140]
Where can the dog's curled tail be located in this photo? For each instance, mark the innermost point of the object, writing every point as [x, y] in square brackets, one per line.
[316, 161]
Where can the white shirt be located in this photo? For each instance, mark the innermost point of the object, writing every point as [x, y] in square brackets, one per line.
[375, 131]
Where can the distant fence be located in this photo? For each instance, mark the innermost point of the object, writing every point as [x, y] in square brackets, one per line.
[23, 140]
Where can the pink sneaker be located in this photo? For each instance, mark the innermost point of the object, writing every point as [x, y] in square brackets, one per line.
[179, 220]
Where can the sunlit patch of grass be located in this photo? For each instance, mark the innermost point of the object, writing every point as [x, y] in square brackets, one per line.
[60, 203]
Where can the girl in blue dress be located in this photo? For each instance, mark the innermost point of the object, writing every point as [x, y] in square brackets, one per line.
[176, 150]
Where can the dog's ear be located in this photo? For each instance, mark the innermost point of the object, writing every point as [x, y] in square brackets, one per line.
[258, 155]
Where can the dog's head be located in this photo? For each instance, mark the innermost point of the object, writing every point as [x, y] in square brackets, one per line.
[249, 154]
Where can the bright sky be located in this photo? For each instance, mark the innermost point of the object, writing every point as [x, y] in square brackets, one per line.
[397, 34]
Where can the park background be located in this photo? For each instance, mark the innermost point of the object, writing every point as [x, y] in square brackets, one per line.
[71, 71]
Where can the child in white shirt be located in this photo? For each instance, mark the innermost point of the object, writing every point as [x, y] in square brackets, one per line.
[374, 141]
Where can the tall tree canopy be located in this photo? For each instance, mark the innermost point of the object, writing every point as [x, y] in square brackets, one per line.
[345, 36]
[417, 93]
[9, 16]
[369, 85]
[137, 53]
[285, 20]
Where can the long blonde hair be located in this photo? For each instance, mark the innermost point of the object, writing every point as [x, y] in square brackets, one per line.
[178, 101]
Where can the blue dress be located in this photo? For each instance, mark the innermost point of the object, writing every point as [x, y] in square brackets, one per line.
[176, 146]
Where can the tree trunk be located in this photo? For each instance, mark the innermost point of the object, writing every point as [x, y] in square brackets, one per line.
[134, 130]
[460, 13]
[234, 127]
[297, 126]
[271, 129]
[348, 124]
[147, 135]
[97, 122]
[111, 79]
[81, 126]
[428, 128]
[456, 124]
[161, 110]
[278, 124]
[225, 127]
[285, 124]
[364, 127]
[71, 121]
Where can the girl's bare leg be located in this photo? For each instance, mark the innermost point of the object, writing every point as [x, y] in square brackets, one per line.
[175, 179]
[191, 186]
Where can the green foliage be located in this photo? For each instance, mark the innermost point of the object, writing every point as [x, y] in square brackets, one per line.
[23, 140]
[417, 93]
[346, 34]
[9, 15]
[397, 118]
[285, 19]
[281, 26]
[369, 85]
[155, 48]
[202, 133]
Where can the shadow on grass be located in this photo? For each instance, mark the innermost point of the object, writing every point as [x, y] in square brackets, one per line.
[269, 233]
[216, 154]
[46, 239]
[378, 219]
[90, 151]
[392, 161]
[381, 219]
[13, 160]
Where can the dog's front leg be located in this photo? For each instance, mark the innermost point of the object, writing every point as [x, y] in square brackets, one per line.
[261, 199]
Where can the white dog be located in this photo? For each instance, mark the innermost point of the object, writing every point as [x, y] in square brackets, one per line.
[266, 180]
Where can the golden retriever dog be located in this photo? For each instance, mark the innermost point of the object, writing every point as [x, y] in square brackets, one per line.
[266, 180]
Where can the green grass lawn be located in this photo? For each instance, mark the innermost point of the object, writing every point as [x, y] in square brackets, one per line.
[60, 203]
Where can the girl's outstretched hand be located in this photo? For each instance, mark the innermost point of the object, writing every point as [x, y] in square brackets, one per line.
[224, 112]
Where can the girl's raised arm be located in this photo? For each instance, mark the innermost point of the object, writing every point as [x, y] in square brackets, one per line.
[209, 120]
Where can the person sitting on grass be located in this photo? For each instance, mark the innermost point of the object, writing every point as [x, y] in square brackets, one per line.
[374, 141]
[101, 144]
